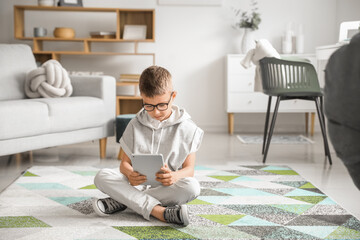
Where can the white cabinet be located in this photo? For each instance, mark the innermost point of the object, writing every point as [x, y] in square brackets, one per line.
[241, 97]
[323, 54]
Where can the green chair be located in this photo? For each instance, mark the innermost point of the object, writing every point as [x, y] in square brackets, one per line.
[286, 80]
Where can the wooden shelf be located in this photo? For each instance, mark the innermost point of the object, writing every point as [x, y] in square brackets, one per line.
[125, 104]
[91, 53]
[83, 39]
[129, 97]
[124, 16]
[128, 104]
[119, 83]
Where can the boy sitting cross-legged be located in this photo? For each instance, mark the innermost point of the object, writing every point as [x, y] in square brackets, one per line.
[159, 127]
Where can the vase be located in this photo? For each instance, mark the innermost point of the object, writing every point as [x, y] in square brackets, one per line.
[248, 41]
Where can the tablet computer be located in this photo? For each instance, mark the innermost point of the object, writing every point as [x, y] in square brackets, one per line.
[148, 165]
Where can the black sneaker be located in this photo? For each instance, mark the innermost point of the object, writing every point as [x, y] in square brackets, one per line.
[106, 206]
[177, 214]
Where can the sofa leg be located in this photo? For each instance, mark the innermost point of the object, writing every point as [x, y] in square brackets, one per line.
[18, 159]
[102, 143]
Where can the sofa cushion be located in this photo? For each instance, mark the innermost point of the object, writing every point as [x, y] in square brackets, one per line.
[73, 113]
[15, 61]
[31, 117]
[19, 118]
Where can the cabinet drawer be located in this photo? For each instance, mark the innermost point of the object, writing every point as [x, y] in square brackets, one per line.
[257, 102]
[241, 83]
[234, 66]
[247, 102]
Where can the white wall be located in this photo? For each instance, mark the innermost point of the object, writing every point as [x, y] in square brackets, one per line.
[192, 41]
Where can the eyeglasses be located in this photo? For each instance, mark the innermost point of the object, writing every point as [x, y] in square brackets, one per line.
[159, 106]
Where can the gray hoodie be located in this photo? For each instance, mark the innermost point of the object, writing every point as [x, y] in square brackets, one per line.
[175, 138]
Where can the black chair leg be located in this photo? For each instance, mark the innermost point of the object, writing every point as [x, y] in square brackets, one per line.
[323, 117]
[324, 123]
[322, 110]
[323, 130]
[271, 128]
[266, 124]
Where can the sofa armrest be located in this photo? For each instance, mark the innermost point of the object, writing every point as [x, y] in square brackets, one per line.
[97, 86]
[93, 86]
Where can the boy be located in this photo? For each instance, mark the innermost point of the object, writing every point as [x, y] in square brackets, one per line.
[160, 127]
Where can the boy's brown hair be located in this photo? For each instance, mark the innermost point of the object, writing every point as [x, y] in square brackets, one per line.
[155, 81]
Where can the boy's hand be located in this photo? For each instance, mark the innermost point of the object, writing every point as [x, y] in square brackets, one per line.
[136, 178]
[166, 176]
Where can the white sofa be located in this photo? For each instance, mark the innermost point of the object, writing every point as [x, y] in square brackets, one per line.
[30, 124]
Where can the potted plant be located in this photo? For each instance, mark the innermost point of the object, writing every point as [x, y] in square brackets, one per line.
[249, 22]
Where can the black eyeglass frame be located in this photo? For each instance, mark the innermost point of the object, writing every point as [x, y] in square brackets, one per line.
[157, 105]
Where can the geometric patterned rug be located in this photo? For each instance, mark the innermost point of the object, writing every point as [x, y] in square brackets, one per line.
[238, 202]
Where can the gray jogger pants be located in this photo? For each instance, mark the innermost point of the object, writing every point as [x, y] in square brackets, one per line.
[116, 185]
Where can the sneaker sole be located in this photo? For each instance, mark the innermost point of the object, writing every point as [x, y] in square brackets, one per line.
[185, 215]
[96, 208]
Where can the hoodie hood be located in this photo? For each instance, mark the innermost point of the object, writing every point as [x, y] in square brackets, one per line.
[177, 116]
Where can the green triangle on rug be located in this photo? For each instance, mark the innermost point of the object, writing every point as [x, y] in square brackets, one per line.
[199, 202]
[223, 219]
[308, 185]
[224, 178]
[21, 222]
[309, 199]
[91, 186]
[302, 192]
[29, 174]
[344, 233]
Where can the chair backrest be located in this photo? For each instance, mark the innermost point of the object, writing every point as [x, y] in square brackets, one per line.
[16, 60]
[281, 76]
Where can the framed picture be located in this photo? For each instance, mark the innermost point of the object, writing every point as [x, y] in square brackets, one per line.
[190, 2]
[70, 3]
[134, 32]
[348, 30]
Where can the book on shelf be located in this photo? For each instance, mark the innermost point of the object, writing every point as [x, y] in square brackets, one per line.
[129, 77]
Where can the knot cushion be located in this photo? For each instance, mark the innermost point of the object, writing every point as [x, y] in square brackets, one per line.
[50, 80]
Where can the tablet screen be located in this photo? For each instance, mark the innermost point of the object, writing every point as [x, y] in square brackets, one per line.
[148, 165]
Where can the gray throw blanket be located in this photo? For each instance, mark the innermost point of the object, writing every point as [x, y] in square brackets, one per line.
[342, 105]
[49, 80]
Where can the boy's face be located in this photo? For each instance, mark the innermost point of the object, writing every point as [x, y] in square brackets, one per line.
[163, 104]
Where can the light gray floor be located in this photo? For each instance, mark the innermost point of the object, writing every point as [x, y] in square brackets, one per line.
[222, 149]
